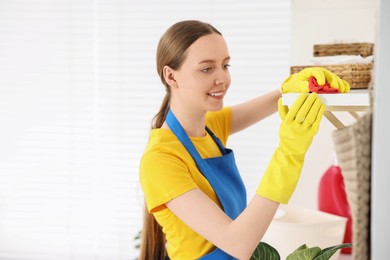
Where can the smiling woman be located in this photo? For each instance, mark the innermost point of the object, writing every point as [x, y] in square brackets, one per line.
[196, 204]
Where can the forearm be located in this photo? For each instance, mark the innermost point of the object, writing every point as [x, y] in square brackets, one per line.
[237, 237]
[246, 231]
[254, 110]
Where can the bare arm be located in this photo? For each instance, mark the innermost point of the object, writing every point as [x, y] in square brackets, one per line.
[237, 237]
[252, 111]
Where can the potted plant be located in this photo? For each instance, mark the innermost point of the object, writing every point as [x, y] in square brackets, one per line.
[265, 251]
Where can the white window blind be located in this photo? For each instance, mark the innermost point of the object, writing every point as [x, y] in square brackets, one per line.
[78, 90]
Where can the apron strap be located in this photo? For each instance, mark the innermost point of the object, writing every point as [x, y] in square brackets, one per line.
[179, 131]
[217, 141]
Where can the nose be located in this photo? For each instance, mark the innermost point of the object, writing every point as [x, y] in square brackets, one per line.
[222, 77]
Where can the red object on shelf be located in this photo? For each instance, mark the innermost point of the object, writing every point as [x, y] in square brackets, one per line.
[324, 89]
[333, 199]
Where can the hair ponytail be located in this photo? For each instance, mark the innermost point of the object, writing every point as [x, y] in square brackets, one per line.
[152, 239]
[159, 118]
[171, 51]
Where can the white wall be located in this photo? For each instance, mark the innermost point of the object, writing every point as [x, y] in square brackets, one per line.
[380, 212]
[78, 89]
[331, 21]
[322, 22]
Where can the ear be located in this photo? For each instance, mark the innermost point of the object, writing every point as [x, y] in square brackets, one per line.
[169, 76]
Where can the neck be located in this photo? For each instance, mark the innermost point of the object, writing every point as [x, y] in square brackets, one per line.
[193, 122]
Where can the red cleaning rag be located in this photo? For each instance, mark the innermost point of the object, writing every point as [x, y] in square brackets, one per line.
[314, 87]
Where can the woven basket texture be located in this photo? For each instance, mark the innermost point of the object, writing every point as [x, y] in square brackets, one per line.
[353, 151]
[363, 49]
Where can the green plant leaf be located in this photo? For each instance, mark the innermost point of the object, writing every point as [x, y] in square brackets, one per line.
[304, 253]
[304, 246]
[328, 252]
[265, 251]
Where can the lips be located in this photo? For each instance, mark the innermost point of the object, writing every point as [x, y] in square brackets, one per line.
[215, 94]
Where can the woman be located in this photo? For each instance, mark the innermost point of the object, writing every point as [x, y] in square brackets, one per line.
[190, 181]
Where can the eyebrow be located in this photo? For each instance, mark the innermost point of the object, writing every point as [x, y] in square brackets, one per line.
[208, 61]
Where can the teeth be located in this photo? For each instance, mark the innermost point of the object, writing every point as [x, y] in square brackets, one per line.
[216, 94]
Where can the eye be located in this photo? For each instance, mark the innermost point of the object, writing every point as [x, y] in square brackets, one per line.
[226, 66]
[206, 70]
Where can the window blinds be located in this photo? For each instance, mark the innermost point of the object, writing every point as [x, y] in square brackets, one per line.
[78, 90]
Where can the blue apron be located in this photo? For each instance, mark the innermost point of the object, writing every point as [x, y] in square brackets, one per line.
[222, 174]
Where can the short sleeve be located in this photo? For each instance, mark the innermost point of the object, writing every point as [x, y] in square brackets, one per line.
[163, 177]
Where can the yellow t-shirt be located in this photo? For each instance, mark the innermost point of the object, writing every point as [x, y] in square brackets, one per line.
[167, 171]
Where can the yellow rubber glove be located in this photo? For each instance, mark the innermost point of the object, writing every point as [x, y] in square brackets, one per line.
[299, 82]
[299, 125]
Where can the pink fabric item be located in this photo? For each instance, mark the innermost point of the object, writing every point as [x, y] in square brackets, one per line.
[325, 89]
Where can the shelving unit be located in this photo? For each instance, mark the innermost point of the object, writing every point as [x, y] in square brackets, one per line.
[352, 102]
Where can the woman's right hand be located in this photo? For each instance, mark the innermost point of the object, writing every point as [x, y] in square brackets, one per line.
[299, 82]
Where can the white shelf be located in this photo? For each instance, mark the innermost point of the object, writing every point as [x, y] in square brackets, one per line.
[356, 97]
[355, 100]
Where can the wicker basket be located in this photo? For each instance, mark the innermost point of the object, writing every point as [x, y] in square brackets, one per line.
[358, 75]
[362, 49]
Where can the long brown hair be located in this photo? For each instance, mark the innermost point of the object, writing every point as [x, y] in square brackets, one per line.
[171, 51]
